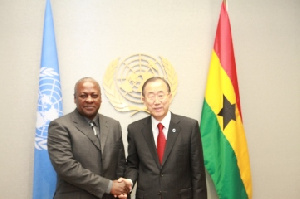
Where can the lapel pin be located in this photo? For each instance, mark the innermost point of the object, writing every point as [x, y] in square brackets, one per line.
[173, 130]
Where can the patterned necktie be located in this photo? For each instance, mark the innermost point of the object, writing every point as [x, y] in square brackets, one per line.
[161, 142]
[93, 127]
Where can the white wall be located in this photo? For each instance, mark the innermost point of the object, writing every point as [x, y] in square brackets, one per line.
[91, 33]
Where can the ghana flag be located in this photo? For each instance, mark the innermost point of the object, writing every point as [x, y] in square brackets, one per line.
[225, 150]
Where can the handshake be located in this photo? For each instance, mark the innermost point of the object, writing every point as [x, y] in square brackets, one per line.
[121, 187]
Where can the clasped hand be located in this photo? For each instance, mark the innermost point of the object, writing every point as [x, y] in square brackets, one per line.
[121, 187]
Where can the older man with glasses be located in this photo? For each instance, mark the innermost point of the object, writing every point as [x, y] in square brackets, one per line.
[165, 156]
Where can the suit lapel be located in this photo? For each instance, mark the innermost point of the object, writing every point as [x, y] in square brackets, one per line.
[103, 131]
[148, 135]
[174, 130]
[82, 125]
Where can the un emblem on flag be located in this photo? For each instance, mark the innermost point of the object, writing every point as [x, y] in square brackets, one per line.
[49, 105]
[123, 81]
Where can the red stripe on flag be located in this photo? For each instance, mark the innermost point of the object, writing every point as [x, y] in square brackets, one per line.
[224, 50]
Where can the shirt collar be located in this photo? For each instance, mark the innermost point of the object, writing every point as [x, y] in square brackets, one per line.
[165, 121]
[95, 120]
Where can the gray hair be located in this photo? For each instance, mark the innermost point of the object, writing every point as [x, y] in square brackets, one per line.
[84, 79]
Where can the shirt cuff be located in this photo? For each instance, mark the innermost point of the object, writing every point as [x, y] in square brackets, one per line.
[130, 181]
[131, 185]
[110, 183]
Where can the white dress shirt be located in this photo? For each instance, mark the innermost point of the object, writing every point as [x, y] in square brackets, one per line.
[165, 122]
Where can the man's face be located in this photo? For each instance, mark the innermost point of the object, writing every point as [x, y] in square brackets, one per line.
[88, 99]
[157, 99]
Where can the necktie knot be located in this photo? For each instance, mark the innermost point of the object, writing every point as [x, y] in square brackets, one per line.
[91, 123]
[160, 127]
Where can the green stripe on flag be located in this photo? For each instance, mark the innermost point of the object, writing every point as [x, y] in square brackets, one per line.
[219, 157]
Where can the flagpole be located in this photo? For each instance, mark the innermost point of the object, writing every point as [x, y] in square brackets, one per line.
[226, 4]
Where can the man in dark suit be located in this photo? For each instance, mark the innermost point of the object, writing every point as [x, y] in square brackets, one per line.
[86, 149]
[167, 163]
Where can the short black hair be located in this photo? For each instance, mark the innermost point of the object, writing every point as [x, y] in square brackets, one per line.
[154, 79]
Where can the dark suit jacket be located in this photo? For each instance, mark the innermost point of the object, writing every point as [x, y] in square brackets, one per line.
[75, 153]
[182, 173]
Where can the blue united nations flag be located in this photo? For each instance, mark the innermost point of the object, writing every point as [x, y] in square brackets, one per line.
[49, 108]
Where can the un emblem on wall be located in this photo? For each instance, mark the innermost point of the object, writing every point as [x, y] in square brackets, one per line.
[123, 80]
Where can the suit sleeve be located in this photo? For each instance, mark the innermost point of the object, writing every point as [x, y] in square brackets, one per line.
[197, 163]
[69, 169]
[121, 157]
[132, 158]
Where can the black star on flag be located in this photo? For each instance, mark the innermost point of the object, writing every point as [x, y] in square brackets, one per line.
[228, 112]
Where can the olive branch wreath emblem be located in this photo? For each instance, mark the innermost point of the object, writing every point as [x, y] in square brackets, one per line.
[118, 101]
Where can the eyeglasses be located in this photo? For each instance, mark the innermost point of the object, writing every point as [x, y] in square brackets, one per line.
[160, 96]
